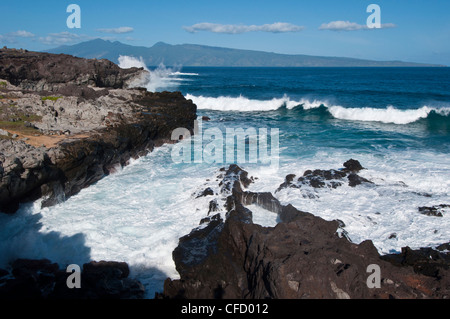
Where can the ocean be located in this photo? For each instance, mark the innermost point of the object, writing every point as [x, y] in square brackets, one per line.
[394, 121]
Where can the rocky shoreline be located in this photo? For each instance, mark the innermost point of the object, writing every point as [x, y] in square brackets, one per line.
[42, 279]
[65, 123]
[303, 256]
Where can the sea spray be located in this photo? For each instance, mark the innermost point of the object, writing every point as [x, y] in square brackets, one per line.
[159, 79]
[138, 214]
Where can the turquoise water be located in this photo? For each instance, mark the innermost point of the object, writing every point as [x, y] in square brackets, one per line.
[394, 121]
[364, 109]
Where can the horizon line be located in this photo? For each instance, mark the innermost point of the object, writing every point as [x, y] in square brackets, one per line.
[420, 64]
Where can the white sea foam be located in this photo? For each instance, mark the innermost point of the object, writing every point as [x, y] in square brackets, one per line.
[386, 115]
[128, 62]
[241, 103]
[403, 181]
[184, 73]
[389, 114]
[138, 214]
[159, 79]
[263, 217]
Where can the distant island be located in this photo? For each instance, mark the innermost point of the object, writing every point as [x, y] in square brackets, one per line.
[208, 56]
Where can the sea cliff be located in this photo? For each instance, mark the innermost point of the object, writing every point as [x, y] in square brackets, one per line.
[67, 122]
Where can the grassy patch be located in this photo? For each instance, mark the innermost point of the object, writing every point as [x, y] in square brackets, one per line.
[51, 98]
[4, 137]
[19, 125]
[3, 84]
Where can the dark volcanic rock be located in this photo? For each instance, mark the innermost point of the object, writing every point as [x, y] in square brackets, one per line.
[207, 192]
[436, 211]
[41, 279]
[355, 179]
[213, 206]
[302, 257]
[84, 92]
[327, 178]
[198, 245]
[425, 261]
[3, 273]
[353, 166]
[233, 174]
[265, 200]
[105, 269]
[49, 72]
[110, 125]
[444, 247]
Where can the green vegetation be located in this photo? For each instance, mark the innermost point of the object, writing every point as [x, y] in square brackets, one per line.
[20, 124]
[4, 137]
[3, 84]
[51, 98]
[18, 127]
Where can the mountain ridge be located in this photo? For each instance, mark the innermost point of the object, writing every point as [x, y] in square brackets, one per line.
[211, 56]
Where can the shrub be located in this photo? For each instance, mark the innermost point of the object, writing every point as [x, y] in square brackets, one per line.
[51, 98]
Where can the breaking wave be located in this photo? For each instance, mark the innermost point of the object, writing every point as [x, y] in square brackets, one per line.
[160, 79]
[390, 114]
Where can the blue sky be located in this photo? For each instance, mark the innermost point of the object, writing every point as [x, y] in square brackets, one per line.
[412, 30]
